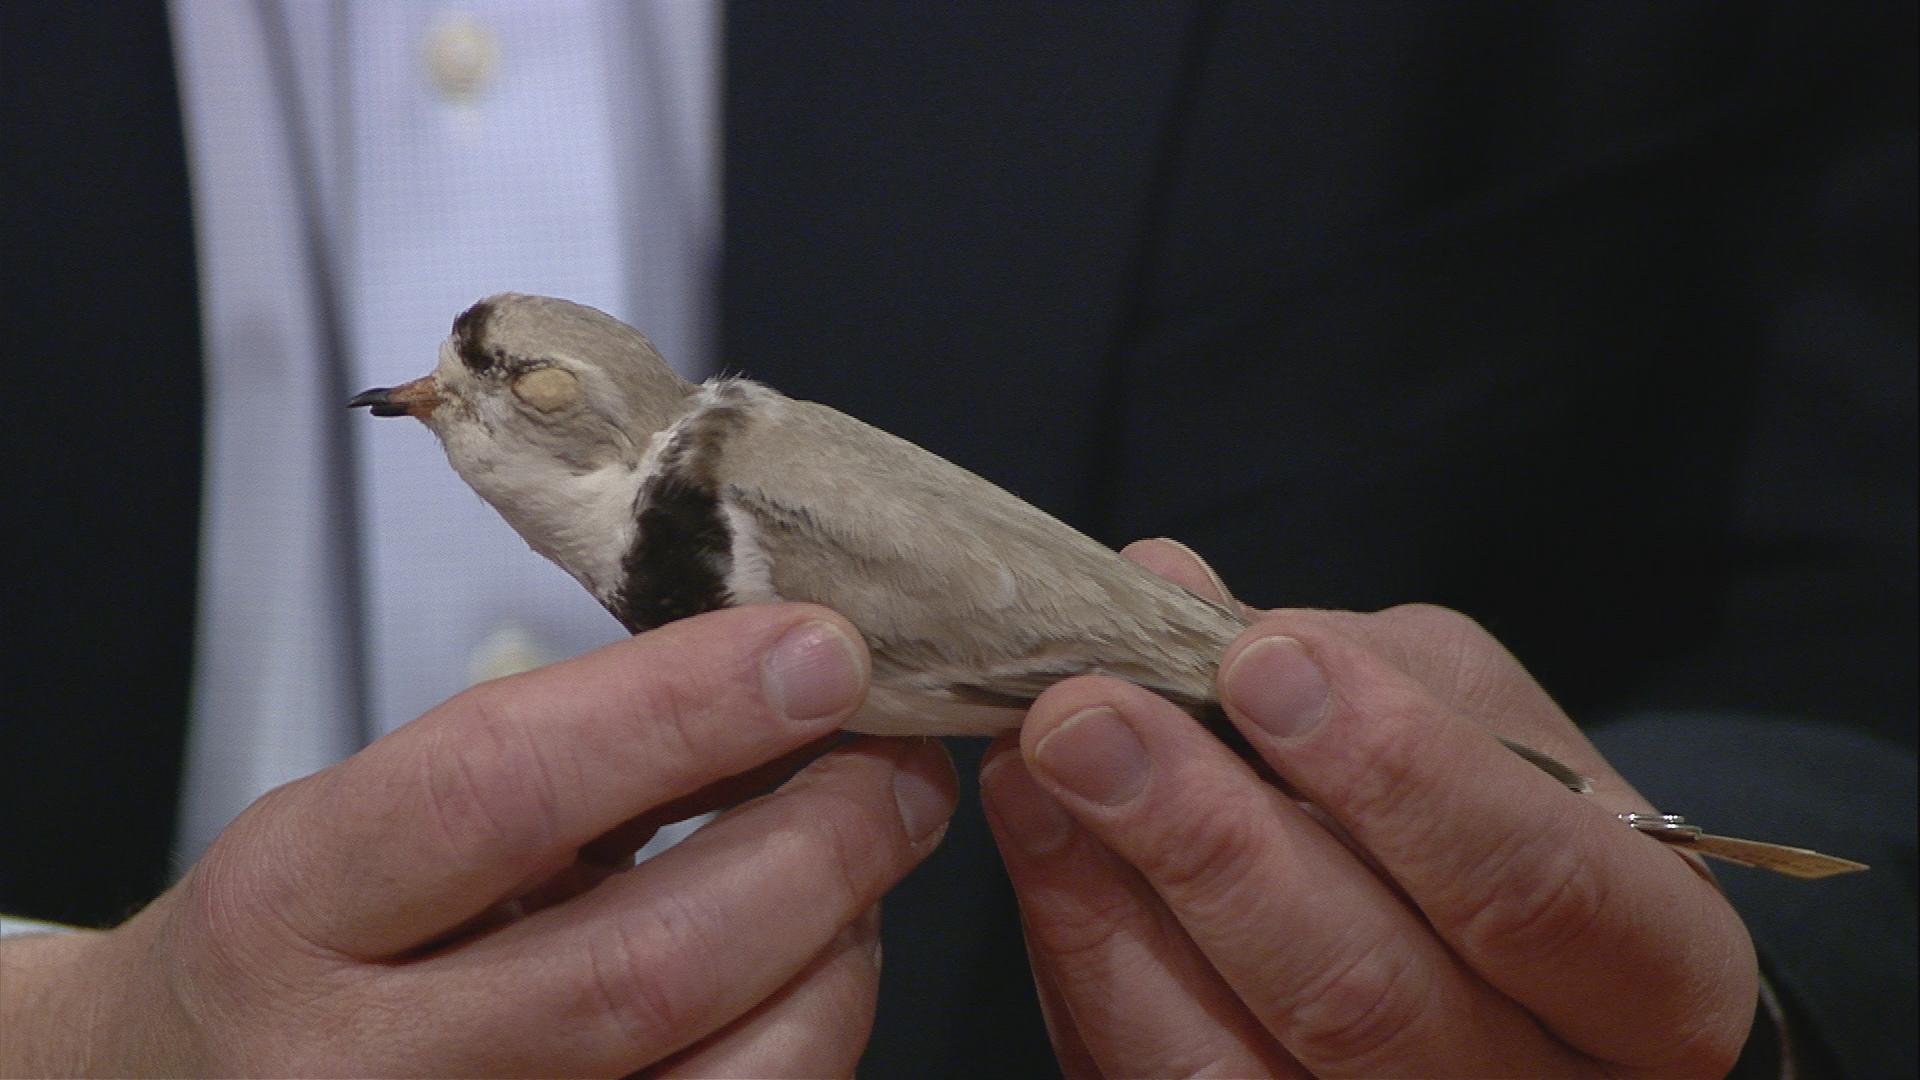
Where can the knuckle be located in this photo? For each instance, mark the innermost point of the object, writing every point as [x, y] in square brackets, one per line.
[1209, 860]
[1711, 1003]
[848, 850]
[644, 981]
[1358, 1009]
[1089, 933]
[1386, 760]
[223, 889]
[1713, 1046]
[489, 791]
[1435, 619]
[840, 811]
[1708, 1051]
[1535, 898]
[1452, 650]
[235, 988]
[672, 718]
[247, 895]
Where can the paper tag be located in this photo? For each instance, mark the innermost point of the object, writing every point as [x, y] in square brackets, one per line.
[1779, 858]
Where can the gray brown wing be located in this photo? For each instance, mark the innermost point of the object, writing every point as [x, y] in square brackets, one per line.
[958, 586]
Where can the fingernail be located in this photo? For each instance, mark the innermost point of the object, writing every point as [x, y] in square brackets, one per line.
[1278, 686]
[924, 789]
[1220, 589]
[812, 673]
[1096, 756]
[1028, 816]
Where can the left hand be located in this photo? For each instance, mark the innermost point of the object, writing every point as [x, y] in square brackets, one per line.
[1459, 913]
[459, 899]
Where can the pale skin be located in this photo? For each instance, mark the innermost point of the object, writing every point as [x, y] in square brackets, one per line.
[352, 923]
[445, 901]
[1477, 919]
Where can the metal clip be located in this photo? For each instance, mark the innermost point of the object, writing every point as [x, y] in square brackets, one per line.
[1669, 827]
[1779, 858]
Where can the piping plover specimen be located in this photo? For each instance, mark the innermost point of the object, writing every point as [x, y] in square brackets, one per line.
[666, 499]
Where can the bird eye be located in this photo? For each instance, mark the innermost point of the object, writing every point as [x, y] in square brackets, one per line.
[547, 389]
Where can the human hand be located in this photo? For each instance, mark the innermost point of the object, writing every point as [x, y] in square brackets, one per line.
[447, 901]
[1460, 913]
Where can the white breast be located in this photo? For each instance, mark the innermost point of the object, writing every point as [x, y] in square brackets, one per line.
[750, 577]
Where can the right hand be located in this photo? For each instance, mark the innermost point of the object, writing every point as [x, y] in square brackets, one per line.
[1440, 908]
[451, 900]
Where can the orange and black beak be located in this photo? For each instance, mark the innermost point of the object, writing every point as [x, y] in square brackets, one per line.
[415, 399]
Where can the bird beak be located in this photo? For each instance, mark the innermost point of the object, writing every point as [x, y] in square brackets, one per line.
[415, 399]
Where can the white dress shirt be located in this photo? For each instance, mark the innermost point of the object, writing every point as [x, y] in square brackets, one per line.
[566, 147]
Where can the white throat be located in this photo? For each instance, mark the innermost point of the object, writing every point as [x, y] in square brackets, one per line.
[582, 521]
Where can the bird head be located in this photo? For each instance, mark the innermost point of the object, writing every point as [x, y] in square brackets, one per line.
[534, 375]
[543, 405]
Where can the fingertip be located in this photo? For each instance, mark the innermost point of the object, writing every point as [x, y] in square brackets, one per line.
[925, 789]
[1001, 745]
[816, 672]
[1274, 681]
[1067, 699]
[1181, 565]
[1054, 705]
[818, 613]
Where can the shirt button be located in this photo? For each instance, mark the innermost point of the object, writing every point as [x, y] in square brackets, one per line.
[462, 56]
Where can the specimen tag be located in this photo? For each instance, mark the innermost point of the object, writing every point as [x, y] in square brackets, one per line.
[1779, 858]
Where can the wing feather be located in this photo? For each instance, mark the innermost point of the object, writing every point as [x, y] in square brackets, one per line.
[960, 588]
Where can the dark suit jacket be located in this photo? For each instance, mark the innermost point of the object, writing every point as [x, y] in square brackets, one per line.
[1595, 322]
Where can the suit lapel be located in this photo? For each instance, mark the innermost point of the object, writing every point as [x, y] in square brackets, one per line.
[935, 259]
[96, 219]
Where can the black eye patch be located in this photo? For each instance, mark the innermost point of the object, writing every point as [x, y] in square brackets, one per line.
[469, 339]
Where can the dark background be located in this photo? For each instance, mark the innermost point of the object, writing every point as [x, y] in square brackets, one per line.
[1595, 321]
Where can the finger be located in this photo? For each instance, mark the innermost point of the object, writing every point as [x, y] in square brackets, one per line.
[1526, 881]
[1323, 953]
[496, 790]
[616, 847]
[614, 850]
[816, 1025]
[1070, 1051]
[1467, 669]
[1137, 995]
[1181, 565]
[662, 956]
